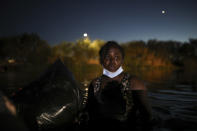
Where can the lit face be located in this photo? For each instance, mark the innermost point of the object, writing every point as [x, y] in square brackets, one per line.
[113, 60]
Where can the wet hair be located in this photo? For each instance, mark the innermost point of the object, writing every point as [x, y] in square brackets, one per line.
[105, 48]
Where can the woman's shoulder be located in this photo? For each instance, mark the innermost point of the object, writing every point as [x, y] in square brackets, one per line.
[136, 83]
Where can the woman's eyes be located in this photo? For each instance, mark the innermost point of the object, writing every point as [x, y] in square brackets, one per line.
[116, 57]
[107, 57]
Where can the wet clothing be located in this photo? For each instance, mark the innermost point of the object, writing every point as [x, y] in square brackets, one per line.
[112, 102]
[115, 105]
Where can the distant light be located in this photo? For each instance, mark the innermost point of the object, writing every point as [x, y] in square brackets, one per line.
[85, 34]
[11, 61]
[163, 11]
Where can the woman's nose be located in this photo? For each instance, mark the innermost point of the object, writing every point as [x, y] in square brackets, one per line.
[112, 60]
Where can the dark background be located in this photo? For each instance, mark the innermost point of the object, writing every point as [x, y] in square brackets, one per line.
[120, 20]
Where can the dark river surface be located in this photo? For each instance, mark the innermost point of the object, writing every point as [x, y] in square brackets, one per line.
[173, 94]
[174, 99]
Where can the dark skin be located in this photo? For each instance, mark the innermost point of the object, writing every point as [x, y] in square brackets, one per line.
[112, 61]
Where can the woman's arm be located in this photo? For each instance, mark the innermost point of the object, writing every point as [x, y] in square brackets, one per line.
[140, 99]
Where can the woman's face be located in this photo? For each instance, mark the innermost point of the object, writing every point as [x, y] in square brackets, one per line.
[113, 60]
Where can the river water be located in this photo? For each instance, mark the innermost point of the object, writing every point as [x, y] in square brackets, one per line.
[174, 100]
[172, 94]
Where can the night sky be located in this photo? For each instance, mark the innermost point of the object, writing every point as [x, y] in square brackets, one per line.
[120, 20]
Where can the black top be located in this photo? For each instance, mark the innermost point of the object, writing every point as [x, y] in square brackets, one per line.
[114, 101]
[118, 102]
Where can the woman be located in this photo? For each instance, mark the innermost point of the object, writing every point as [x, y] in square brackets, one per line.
[115, 97]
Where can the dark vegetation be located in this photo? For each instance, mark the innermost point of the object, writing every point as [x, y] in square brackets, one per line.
[31, 49]
[31, 53]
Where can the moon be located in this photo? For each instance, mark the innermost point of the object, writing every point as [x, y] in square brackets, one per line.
[85, 34]
[163, 11]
